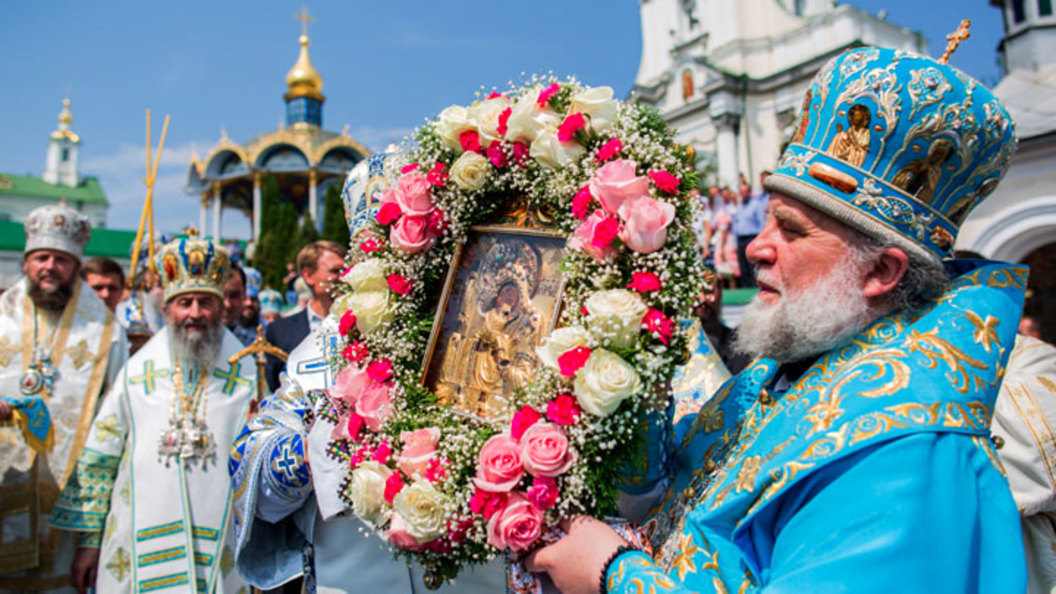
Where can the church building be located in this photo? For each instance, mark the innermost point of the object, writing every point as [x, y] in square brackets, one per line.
[305, 158]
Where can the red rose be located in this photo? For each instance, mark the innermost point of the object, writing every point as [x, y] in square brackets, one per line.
[470, 141]
[504, 119]
[487, 503]
[581, 203]
[369, 245]
[546, 94]
[393, 485]
[497, 155]
[644, 282]
[656, 322]
[380, 371]
[347, 323]
[399, 284]
[572, 361]
[355, 352]
[564, 410]
[388, 213]
[438, 174]
[609, 150]
[522, 420]
[665, 181]
[543, 492]
[566, 131]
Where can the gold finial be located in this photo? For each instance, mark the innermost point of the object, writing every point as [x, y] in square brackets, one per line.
[953, 40]
[305, 19]
[191, 231]
[65, 117]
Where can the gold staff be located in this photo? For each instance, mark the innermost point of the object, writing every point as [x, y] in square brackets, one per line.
[258, 348]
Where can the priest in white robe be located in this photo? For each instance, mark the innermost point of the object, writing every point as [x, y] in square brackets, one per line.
[151, 487]
[59, 349]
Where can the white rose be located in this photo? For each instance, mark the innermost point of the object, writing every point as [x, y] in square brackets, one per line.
[470, 171]
[527, 119]
[367, 491]
[553, 153]
[597, 103]
[368, 275]
[421, 507]
[616, 314]
[485, 116]
[559, 342]
[452, 122]
[371, 308]
[604, 382]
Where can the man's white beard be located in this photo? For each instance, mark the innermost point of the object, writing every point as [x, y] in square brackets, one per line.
[809, 322]
[195, 347]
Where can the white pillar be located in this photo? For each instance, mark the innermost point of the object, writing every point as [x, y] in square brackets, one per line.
[216, 211]
[256, 206]
[202, 213]
[313, 201]
[726, 146]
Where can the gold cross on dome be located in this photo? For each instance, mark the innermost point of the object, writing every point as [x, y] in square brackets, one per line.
[305, 19]
[955, 39]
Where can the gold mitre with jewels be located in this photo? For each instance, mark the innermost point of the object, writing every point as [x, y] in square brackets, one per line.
[897, 145]
[57, 227]
[190, 264]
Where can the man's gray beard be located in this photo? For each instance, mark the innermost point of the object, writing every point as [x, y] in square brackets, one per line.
[806, 323]
[195, 347]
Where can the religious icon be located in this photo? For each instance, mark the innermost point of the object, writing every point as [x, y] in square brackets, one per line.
[501, 298]
[851, 145]
[196, 262]
[170, 266]
[921, 177]
[804, 117]
[962, 207]
[687, 84]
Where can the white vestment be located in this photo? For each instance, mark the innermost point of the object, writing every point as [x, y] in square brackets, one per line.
[86, 348]
[165, 523]
[275, 501]
[1025, 418]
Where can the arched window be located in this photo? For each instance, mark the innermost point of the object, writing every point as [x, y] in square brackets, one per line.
[1018, 11]
[1044, 7]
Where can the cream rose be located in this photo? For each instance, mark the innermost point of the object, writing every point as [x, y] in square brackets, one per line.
[528, 120]
[470, 171]
[371, 308]
[551, 152]
[367, 491]
[616, 314]
[452, 122]
[485, 116]
[368, 275]
[597, 103]
[559, 342]
[421, 507]
[604, 382]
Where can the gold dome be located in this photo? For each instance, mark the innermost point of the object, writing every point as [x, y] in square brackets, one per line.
[65, 119]
[303, 79]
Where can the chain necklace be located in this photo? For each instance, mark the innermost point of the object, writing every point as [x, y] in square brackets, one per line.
[187, 436]
[40, 374]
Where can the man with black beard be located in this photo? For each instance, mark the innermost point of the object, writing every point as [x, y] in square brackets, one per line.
[853, 453]
[59, 349]
[150, 493]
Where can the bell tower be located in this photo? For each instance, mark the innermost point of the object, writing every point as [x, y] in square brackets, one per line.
[63, 145]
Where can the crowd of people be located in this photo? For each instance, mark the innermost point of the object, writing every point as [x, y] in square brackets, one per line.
[883, 424]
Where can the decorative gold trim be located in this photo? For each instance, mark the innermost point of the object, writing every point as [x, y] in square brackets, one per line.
[91, 397]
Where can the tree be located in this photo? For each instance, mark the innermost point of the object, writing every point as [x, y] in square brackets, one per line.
[335, 226]
[278, 217]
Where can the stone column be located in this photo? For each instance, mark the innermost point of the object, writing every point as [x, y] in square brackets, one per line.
[256, 206]
[726, 146]
[216, 211]
[313, 203]
[203, 213]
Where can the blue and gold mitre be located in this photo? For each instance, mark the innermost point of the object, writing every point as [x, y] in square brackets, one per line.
[363, 186]
[190, 264]
[270, 301]
[897, 145]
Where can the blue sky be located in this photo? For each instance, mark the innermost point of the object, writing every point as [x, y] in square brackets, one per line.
[386, 66]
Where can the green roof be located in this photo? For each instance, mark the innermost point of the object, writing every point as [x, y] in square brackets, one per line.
[26, 186]
[111, 243]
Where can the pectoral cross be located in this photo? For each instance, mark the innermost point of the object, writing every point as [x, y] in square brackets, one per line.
[305, 19]
[955, 39]
[259, 348]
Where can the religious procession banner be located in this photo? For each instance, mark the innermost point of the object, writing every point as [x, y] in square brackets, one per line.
[165, 520]
[62, 364]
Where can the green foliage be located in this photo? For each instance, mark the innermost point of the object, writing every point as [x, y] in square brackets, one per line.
[335, 227]
[277, 218]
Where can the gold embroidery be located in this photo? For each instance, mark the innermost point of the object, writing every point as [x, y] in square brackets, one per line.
[80, 354]
[120, 564]
[8, 350]
[985, 330]
[746, 475]
[108, 428]
[936, 348]
[683, 561]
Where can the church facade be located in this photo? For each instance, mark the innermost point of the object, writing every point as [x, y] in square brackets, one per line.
[729, 75]
[305, 158]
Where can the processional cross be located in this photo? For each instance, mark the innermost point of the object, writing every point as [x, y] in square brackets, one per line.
[305, 19]
[258, 348]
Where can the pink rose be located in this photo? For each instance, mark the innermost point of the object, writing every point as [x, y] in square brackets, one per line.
[398, 535]
[615, 183]
[411, 235]
[591, 234]
[517, 526]
[348, 427]
[414, 195]
[348, 384]
[543, 493]
[545, 451]
[380, 370]
[522, 420]
[499, 466]
[418, 448]
[645, 223]
[374, 405]
[564, 410]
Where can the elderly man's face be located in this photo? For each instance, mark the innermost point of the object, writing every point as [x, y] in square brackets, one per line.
[51, 276]
[194, 322]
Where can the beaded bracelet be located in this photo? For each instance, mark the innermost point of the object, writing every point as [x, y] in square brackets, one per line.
[603, 586]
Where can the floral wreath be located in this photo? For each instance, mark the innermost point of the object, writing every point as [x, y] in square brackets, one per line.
[449, 491]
